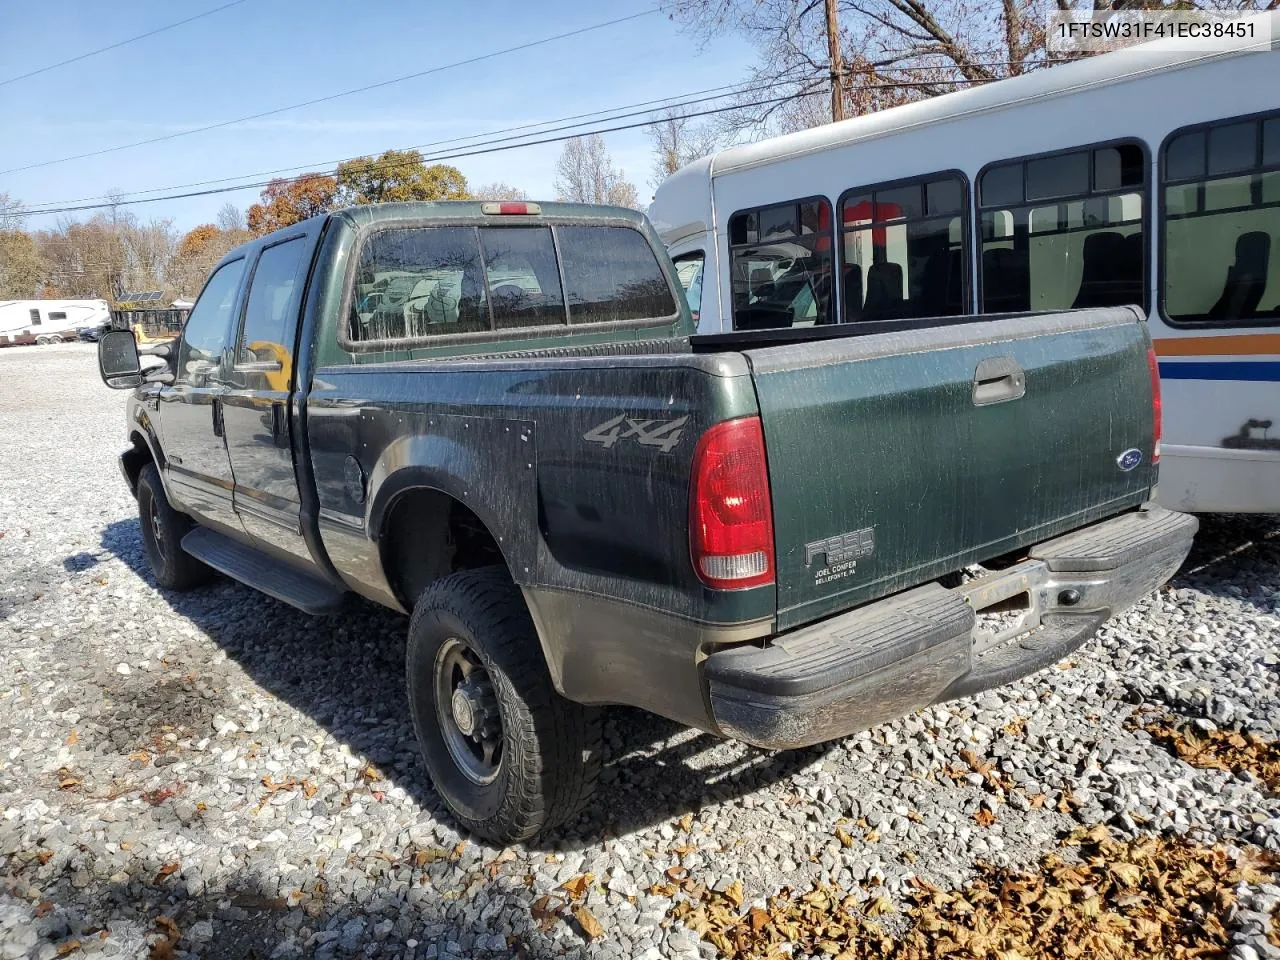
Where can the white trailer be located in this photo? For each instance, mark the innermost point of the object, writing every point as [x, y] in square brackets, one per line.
[48, 321]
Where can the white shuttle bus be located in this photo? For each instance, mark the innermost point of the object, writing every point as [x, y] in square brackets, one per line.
[1147, 176]
[48, 321]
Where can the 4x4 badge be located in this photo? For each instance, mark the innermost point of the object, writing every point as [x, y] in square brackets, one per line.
[663, 434]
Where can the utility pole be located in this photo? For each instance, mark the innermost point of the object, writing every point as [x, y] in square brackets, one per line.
[837, 63]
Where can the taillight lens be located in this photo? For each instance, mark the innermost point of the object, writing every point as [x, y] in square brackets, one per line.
[1156, 413]
[730, 510]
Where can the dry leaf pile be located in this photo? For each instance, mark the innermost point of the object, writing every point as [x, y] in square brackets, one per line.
[1155, 896]
[1227, 750]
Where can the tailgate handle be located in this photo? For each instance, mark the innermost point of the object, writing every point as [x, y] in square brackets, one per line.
[996, 380]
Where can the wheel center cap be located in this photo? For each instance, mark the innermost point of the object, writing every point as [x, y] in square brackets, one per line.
[464, 713]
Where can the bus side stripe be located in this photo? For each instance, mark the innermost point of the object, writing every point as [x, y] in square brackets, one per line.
[1260, 372]
[1238, 345]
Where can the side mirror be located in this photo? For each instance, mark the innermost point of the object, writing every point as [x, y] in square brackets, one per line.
[118, 360]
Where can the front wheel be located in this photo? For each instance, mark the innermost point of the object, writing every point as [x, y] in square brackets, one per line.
[163, 528]
[507, 754]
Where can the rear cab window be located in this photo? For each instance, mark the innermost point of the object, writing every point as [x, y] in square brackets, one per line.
[426, 283]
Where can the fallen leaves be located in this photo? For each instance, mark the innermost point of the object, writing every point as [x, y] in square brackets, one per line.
[161, 794]
[168, 870]
[984, 817]
[1227, 750]
[590, 925]
[1155, 896]
[550, 909]
[578, 886]
[163, 949]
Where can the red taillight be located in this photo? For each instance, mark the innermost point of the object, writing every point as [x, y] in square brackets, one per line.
[519, 208]
[1156, 413]
[730, 510]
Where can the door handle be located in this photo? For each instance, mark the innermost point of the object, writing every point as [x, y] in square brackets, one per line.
[218, 430]
[997, 380]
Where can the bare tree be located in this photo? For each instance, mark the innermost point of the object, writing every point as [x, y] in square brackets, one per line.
[889, 51]
[12, 213]
[499, 191]
[677, 140]
[230, 218]
[585, 174]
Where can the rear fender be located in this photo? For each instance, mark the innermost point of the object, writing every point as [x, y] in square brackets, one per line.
[486, 464]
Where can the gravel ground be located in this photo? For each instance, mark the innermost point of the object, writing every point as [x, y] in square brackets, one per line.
[248, 775]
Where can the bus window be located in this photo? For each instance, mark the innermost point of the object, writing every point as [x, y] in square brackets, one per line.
[689, 268]
[1064, 230]
[1221, 250]
[902, 251]
[780, 265]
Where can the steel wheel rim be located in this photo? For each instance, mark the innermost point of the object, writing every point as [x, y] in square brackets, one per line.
[467, 711]
[156, 525]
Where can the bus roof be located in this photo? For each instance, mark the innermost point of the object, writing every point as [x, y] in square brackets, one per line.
[1117, 67]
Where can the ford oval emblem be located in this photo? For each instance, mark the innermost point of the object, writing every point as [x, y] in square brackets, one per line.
[1129, 459]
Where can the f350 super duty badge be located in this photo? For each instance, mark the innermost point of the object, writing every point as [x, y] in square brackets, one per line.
[663, 434]
[841, 553]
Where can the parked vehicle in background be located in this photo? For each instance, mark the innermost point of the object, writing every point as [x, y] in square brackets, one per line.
[93, 334]
[48, 321]
[493, 415]
[1149, 176]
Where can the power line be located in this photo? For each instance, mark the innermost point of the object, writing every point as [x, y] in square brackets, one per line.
[337, 96]
[437, 158]
[121, 43]
[469, 152]
[662, 103]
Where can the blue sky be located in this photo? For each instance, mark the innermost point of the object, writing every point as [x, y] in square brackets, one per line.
[263, 54]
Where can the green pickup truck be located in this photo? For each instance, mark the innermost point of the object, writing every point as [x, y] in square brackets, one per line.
[495, 417]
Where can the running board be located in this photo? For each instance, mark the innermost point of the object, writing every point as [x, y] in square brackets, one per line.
[262, 572]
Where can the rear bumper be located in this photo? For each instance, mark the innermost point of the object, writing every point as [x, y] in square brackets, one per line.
[926, 645]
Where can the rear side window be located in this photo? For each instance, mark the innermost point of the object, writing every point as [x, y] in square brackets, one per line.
[425, 281]
[1064, 231]
[780, 265]
[1221, 243]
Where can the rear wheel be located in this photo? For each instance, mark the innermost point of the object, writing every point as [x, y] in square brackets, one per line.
[163, 528]
[54, 338]
[507, 754]
[42, 341]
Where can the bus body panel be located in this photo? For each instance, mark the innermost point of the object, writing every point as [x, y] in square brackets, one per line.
[1221, 394]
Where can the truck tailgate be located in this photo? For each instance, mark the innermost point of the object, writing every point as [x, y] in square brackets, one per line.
[895, 458]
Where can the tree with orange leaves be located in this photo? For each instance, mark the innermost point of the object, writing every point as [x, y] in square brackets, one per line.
[285, 202]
